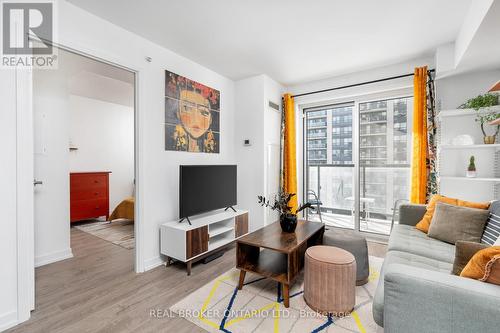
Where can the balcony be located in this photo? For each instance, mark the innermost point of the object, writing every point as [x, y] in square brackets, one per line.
[334, 185]
[316, 135]
[316, 124]
[318, 146]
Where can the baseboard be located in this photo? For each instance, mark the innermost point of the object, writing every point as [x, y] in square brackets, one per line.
[53, 257]
[153, 263]
[8, 320]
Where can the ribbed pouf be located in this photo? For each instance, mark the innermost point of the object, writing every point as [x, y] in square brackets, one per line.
[329, 280]
[353, 243]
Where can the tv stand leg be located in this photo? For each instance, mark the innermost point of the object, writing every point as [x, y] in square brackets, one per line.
[188, 268]
[185, 218]
[234, 210]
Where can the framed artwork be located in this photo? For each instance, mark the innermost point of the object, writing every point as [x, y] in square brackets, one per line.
[192, 115]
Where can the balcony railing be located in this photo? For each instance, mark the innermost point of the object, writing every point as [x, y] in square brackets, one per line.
[334, 185]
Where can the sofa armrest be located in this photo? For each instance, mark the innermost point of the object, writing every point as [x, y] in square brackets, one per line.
[419, 300]
[411, 214]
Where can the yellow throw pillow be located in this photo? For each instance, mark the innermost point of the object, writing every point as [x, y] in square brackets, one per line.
[425, 223]
[482, 265]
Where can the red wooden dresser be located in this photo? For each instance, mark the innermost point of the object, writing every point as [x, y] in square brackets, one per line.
[89, 195]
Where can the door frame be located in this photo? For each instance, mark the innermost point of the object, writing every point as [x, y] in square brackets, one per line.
[25, 168]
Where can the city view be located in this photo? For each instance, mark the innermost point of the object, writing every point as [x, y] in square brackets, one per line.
[384, 151]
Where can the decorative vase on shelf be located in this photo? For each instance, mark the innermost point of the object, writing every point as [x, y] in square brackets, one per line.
[489, 139]
[288, 222]
[471, 170]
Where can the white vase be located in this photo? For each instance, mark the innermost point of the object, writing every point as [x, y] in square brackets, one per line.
[471, 174]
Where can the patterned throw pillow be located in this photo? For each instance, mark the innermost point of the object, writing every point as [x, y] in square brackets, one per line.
[492, 230]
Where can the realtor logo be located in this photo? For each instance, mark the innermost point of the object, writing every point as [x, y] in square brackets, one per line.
[26, 28]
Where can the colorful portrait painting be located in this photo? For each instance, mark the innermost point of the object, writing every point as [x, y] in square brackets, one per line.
[192, 113]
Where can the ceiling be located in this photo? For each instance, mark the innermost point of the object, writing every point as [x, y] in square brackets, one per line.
[96, 80]
[292, 41]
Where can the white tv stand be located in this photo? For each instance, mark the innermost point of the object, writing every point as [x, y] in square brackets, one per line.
[207, 233]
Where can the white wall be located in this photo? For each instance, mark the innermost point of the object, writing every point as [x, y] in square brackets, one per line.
[452, 91]
[261, 125]
[249, 124]
[104, 135]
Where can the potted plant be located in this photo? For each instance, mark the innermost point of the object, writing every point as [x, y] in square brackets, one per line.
[481, 102]
[471, 170]
[288, 218]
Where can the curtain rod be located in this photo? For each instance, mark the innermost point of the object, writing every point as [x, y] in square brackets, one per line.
[359, 84]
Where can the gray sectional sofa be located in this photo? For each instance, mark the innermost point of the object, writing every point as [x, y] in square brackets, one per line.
[418, 293]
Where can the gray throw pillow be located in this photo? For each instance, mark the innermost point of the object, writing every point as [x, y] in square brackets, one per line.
[455, 223]
[464, 251]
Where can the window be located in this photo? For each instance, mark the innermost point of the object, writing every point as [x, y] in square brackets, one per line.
[382, 171]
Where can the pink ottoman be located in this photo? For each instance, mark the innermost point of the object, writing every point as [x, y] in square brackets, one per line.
[330, 280]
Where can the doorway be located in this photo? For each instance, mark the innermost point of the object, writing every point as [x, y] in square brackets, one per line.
[84, 116]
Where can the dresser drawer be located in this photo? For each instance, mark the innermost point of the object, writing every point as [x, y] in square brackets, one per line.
[88, 194]
[92, 181]
[84, 209]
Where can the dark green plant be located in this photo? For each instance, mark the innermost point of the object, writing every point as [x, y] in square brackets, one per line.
[280, 203]
[483, 101]
[472, 165]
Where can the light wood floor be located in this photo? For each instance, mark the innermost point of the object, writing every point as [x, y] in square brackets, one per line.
[97, 290]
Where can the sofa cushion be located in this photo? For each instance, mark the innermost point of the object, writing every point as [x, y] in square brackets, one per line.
[464, 251]
[425, 223]
[454, 223]
[406, 238]
[405, 258]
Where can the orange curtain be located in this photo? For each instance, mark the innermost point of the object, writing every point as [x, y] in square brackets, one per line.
[289, 153]
[419, 131]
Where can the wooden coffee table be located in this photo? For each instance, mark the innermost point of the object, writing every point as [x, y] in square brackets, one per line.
[277, 255]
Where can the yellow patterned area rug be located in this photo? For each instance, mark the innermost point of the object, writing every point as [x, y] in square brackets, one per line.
[220, 307]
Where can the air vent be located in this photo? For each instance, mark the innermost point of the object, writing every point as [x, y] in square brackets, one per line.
[274, 106]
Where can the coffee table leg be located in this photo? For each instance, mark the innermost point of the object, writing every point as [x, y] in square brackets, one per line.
[242, 279]
[286, 295]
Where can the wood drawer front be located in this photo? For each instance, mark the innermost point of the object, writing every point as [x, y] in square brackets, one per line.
[88, 181]
[196, 241]
[89, 194]
[84, 209]
[241, 225]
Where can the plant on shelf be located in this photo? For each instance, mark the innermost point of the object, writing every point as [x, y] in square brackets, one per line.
[471, 170]
[280, 203]
[484, 102]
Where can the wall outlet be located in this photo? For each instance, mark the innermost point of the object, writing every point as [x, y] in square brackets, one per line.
[246, 142]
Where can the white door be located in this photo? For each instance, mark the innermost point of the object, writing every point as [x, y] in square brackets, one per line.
[51, 167]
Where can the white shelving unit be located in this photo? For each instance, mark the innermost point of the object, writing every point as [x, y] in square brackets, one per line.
[454, 159]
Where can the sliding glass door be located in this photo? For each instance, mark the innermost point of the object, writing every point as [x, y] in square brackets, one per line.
[358, 181]
[329, 164]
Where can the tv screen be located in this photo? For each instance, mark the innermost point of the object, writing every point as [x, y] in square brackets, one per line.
[203, 188]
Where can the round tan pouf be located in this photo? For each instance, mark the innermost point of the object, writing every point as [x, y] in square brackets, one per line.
[330, 280]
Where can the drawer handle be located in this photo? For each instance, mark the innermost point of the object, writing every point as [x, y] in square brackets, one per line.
[96, 207]
[96, 181]
[96, 193]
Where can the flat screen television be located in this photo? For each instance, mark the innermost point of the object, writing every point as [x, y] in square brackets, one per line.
[203, 188]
